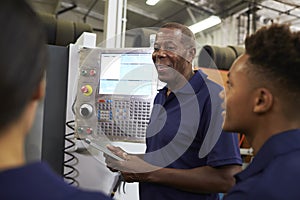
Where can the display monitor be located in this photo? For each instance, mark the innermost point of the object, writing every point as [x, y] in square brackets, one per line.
[126, 73]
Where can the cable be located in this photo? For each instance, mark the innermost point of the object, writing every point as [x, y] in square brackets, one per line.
[117, 185]
[241, 140]
[72, 160]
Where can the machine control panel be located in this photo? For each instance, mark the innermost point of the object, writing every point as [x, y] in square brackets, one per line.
[115, 92]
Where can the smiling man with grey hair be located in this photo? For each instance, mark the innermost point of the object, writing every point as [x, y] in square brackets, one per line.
[187, 156]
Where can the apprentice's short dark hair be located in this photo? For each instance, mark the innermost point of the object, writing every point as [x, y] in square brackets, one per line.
[22, 57]
[275, 53]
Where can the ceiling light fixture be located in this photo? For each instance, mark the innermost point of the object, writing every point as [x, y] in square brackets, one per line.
[152, 2]
[205, 24]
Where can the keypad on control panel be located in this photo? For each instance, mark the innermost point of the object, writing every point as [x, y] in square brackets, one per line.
[123, 119]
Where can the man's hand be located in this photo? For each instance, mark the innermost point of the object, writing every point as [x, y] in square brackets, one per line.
[133, 168]
[110, 161]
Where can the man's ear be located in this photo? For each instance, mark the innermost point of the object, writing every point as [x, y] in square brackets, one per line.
[191, 54]
[263, 100]
[40, 91]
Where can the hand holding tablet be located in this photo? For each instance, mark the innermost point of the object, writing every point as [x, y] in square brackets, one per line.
[103, 149]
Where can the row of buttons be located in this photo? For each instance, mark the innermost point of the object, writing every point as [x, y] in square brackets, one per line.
[88, 72]
[82, 130]
[105, 101]
[104, 115]
[103, 106]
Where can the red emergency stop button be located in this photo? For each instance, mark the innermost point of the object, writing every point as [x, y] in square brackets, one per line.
[87, 90]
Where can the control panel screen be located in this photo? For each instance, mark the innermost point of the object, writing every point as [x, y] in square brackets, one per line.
[126, 74]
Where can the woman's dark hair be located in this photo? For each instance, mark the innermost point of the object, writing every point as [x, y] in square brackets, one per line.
[22, 57]
[275, 54]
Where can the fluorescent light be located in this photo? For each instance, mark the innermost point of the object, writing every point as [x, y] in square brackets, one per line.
[205, 24]
[152, 2]
[295, 28]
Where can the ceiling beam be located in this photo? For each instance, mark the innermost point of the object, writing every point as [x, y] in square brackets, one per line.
[83, 11]
[142, 12]
[199, 9]
[57, 5]
[277, 10]
[288, 3]
[193, 18]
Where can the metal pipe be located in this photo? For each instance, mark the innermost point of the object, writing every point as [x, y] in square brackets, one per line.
[88, 12]
[276, 10]
[66, 9]
[191, 14]
[124, 21]
[287, 3]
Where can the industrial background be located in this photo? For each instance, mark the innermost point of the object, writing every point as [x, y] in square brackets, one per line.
[134, 21]
[239, 17]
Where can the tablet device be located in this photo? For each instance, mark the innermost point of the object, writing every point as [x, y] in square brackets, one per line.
[103, 149]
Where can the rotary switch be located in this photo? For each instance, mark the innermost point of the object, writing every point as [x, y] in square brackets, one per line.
[86, 110]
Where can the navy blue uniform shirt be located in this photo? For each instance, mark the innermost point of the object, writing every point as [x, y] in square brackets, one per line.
[185, 132]
[36, 181]
[274, 173]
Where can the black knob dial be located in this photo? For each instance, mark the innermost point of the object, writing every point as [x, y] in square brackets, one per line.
[86, 110]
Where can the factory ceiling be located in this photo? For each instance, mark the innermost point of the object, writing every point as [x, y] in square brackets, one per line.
[187, 12]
